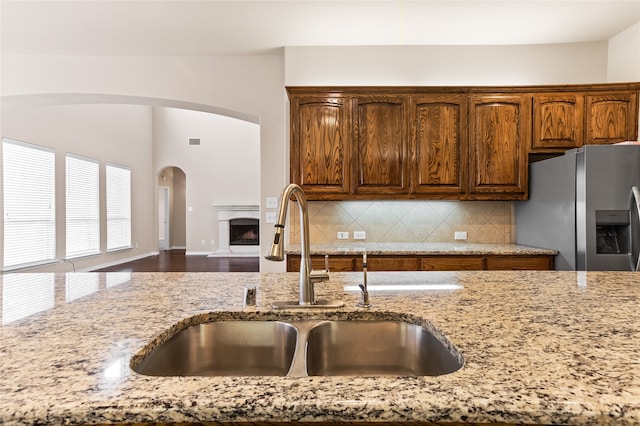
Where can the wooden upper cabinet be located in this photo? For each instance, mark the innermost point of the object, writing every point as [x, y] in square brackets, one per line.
[558, 121]
[466, 143]
[499, 132]
[611, 117]
[438, 144]
[379, 145]
[319, 145]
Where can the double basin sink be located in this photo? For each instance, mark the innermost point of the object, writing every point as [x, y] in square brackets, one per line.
[298, 348]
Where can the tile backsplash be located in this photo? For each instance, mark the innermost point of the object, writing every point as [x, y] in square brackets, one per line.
[407, 221]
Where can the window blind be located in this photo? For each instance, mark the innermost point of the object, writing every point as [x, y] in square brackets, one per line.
[29, 204]
[118, 207]
[83, 206]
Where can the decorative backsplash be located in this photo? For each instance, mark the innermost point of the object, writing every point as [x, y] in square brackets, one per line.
[407, 221]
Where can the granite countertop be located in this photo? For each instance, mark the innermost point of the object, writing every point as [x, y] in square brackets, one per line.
[423, 249]
[539, 347]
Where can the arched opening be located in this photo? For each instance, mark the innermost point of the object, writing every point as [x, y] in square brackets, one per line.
[172, 205]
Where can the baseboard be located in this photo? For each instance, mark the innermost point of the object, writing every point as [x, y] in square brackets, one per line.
[197, 253]
[178, 248]
[234, 254]
[117, 262]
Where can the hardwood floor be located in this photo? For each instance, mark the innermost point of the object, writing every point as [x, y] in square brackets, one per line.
[177, 261]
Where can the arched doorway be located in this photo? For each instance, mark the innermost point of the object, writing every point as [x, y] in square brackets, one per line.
[172, 225]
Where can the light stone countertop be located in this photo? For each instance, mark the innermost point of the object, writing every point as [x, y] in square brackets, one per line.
[461, 248]
[539, 347]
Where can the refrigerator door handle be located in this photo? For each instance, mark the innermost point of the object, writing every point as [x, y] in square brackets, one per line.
[635, 193]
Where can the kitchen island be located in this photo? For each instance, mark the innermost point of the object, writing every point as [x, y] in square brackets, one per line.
[539, 347]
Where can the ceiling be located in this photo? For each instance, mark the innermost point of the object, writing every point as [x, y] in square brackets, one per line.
[240, 27]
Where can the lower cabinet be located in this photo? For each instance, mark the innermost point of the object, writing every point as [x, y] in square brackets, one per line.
[351, 263]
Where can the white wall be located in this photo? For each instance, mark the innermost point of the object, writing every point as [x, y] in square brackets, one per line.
[624, 55]
[446, 65]
[223, 169]
[119, 134]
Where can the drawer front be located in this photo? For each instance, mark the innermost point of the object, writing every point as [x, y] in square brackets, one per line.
[452, 263]
[393, 263]
[336, 263]
[520, 262]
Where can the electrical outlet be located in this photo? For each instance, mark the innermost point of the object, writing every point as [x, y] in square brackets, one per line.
[359, 235]
[213, 242]
[272, 203]
[460, 235]
[202, 242]
[271, 217]
[343, 235]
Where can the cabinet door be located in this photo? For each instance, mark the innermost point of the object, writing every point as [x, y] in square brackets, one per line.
[379, 133]
[558, 121]
[319, 138]
[612, 117]
[499, 137]
[438, 144]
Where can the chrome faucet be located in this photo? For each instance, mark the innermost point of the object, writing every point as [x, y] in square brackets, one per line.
[308, 277]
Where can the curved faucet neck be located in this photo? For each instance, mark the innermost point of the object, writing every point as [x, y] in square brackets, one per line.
[307, 296]
[301, 200]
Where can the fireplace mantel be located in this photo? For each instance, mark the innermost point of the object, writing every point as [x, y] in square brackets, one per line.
[227, 212]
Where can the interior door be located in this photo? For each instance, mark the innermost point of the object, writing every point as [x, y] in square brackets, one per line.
[163, 218]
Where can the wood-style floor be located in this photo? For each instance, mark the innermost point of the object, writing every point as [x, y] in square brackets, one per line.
[177, 261]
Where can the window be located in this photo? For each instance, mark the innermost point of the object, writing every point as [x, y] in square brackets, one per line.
[29, 204]
[118, 207]
[83, 206]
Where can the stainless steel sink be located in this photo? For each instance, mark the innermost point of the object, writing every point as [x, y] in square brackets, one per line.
[300, 348]
[228, 348]
[377, 348]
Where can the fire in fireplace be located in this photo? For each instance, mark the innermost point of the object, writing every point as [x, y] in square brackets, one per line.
[244, 232]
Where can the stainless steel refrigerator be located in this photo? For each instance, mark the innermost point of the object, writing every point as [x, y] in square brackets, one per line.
[585, 204]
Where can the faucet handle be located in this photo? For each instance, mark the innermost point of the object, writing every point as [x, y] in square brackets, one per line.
[317, 276]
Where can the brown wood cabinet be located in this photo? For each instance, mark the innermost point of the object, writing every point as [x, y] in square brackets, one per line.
[353, 263]
[499, 134]
[322, 144]
[438, 144]
[611, 117]
[379, 145]
[558, 121]
[570, 120]
[465, 143]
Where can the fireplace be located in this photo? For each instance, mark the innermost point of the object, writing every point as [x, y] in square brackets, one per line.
[244, 232]
[238, 230]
